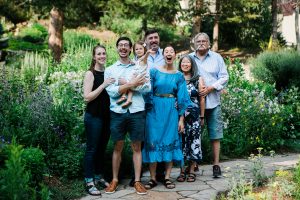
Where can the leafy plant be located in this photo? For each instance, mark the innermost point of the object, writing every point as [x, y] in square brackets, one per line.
[239, 186]
[73, 40]
[70, 160]
[247, 102]
[257, 169]
[279, 67]
[34, 163]
[35, 33]
[297, 181]
[14, 177]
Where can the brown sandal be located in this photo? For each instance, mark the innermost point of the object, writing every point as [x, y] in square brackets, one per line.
[151, 184]
[169, 184]
[181, 177]
[191, 177]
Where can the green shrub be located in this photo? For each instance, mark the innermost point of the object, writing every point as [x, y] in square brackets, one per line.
[297, 180]
[78, 58]
[19, 44]
[251, 111]
[281, 68]
[35, 33]
[123, 27]
[34, 163]
[21, 177]
[73, 40]
[14, 178]
[68, 160]
[34, 66]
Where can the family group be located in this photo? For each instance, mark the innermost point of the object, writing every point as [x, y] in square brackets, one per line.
[162, 107]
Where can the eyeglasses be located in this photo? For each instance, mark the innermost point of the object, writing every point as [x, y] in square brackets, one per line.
[123, 45]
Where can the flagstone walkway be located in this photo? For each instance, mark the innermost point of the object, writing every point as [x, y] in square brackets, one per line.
[206, 187]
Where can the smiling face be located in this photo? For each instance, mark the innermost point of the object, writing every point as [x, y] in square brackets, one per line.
[169, 55]
[139, 50]
[124, 48]
[185, 65]
[100, 56]
[152, 41]
[202, 44]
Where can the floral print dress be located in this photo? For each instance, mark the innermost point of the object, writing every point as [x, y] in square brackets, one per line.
[191, 140]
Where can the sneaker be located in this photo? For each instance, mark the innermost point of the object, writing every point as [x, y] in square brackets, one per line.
[112, 187]
[216, 171]
[139, 188]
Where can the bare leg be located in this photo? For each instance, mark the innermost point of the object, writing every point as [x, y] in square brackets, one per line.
[168, 183]
[192, 167]
[137, 159]
[216, 151]
[168, 169]
[121, 99]
[152, 167]
[116, 159]
[129, 99]
[191, 175]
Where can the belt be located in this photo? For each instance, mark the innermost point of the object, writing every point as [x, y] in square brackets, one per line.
[165, 95]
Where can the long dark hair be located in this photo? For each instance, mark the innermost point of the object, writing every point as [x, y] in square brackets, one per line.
[92, 66]
[194, 68]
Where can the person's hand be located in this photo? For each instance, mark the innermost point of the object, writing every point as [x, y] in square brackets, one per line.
[153, 50]
[122, 81]
[181, 126]
[205, 91]
[138, 80]
[108, 81]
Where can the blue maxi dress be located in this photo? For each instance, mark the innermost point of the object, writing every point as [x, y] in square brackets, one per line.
[162, 140]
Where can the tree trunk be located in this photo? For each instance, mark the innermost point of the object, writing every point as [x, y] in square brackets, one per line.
[56, 33]
[274, 19]
[215, 46]
[297, 26]
[197, 18]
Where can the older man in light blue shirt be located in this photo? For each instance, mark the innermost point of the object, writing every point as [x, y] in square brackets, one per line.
[213, 70]
[127, 119]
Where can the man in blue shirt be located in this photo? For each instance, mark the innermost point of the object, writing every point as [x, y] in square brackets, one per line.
[213, 70]
[152, 40]
[156, 59]
[130, 119]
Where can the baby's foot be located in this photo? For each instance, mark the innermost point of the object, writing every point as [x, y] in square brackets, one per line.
[121, 100]
[126, 104]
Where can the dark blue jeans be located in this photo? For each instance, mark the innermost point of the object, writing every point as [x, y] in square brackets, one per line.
[97, 133]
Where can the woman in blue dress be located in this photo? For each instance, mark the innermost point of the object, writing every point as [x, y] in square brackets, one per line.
[164, 121]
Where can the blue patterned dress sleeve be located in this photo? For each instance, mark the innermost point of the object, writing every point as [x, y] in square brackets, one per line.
[183, 97]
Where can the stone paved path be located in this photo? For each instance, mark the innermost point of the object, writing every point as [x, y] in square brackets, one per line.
[205, 187]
